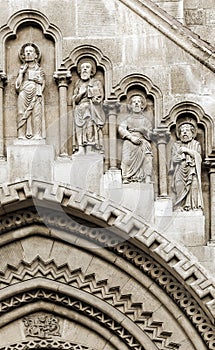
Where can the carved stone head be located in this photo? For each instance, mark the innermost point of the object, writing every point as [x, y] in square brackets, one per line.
[186, 129]
[137, 103]
[86, 67]
[29, 52]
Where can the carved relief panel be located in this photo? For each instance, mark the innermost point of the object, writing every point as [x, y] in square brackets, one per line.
[41, 326]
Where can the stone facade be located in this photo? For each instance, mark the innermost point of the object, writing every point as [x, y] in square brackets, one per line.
[107, 185]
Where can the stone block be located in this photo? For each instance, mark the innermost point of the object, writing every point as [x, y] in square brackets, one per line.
[163, 211]
[112, 179]
[206, 256]
[28, 160]
[187, 228]
[83, 171]
[3, 172]
[138, 197]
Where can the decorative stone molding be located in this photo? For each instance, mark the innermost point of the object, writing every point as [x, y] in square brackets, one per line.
[163, 278]
[185, 272]
[174, 30]
[29, 16]
[103, 210]
[112, 295]
[45, 344]
[174, 289]
[74, 304]
[62, 77]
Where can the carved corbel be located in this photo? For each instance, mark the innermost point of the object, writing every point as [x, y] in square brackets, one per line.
[63, 78]
[112, 109]
[162, 138]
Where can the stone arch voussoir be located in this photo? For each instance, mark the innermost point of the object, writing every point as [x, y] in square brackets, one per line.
[172, 267]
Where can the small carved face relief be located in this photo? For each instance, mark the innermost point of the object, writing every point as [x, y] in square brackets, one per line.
[186, 133]
[29, 54]
[136, 104]
[86, 69]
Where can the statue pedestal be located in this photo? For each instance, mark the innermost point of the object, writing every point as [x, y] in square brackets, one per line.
[138, 197]
[30, 159]
[186, 227]
[112, 179]
[83, 171]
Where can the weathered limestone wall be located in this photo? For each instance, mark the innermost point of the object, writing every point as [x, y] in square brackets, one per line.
[198, 15]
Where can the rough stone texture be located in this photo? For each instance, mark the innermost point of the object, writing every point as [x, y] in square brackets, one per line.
[116, 272]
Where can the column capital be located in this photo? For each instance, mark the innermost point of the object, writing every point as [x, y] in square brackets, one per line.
[62, 77]
[210, 164]
[3, 79]
[111, 107]
[162, 136]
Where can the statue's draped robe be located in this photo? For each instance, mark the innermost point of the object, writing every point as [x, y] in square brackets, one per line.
[31, 104]
[89, 117]
[186, 170]
[136, 159]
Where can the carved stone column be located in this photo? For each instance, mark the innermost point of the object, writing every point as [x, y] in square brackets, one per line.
[211, 167]
[3, 81]
[112, 109]
[162, 137]
[63, 78]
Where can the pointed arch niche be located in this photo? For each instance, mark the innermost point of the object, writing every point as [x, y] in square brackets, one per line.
[205, 136]
[103, 73]
[30, 26]
[140, 84]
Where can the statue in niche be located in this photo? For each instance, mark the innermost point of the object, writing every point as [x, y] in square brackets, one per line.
[137, 155]
[186, 167]
[30, 84]
[89, 117]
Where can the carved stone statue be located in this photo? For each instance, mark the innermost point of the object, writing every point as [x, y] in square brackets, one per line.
[186, 167]
[89, 117]
[30, 84]
[136, 151]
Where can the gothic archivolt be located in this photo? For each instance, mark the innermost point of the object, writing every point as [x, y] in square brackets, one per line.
[47, 270]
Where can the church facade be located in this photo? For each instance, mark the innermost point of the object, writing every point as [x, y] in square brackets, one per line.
[107, 181]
